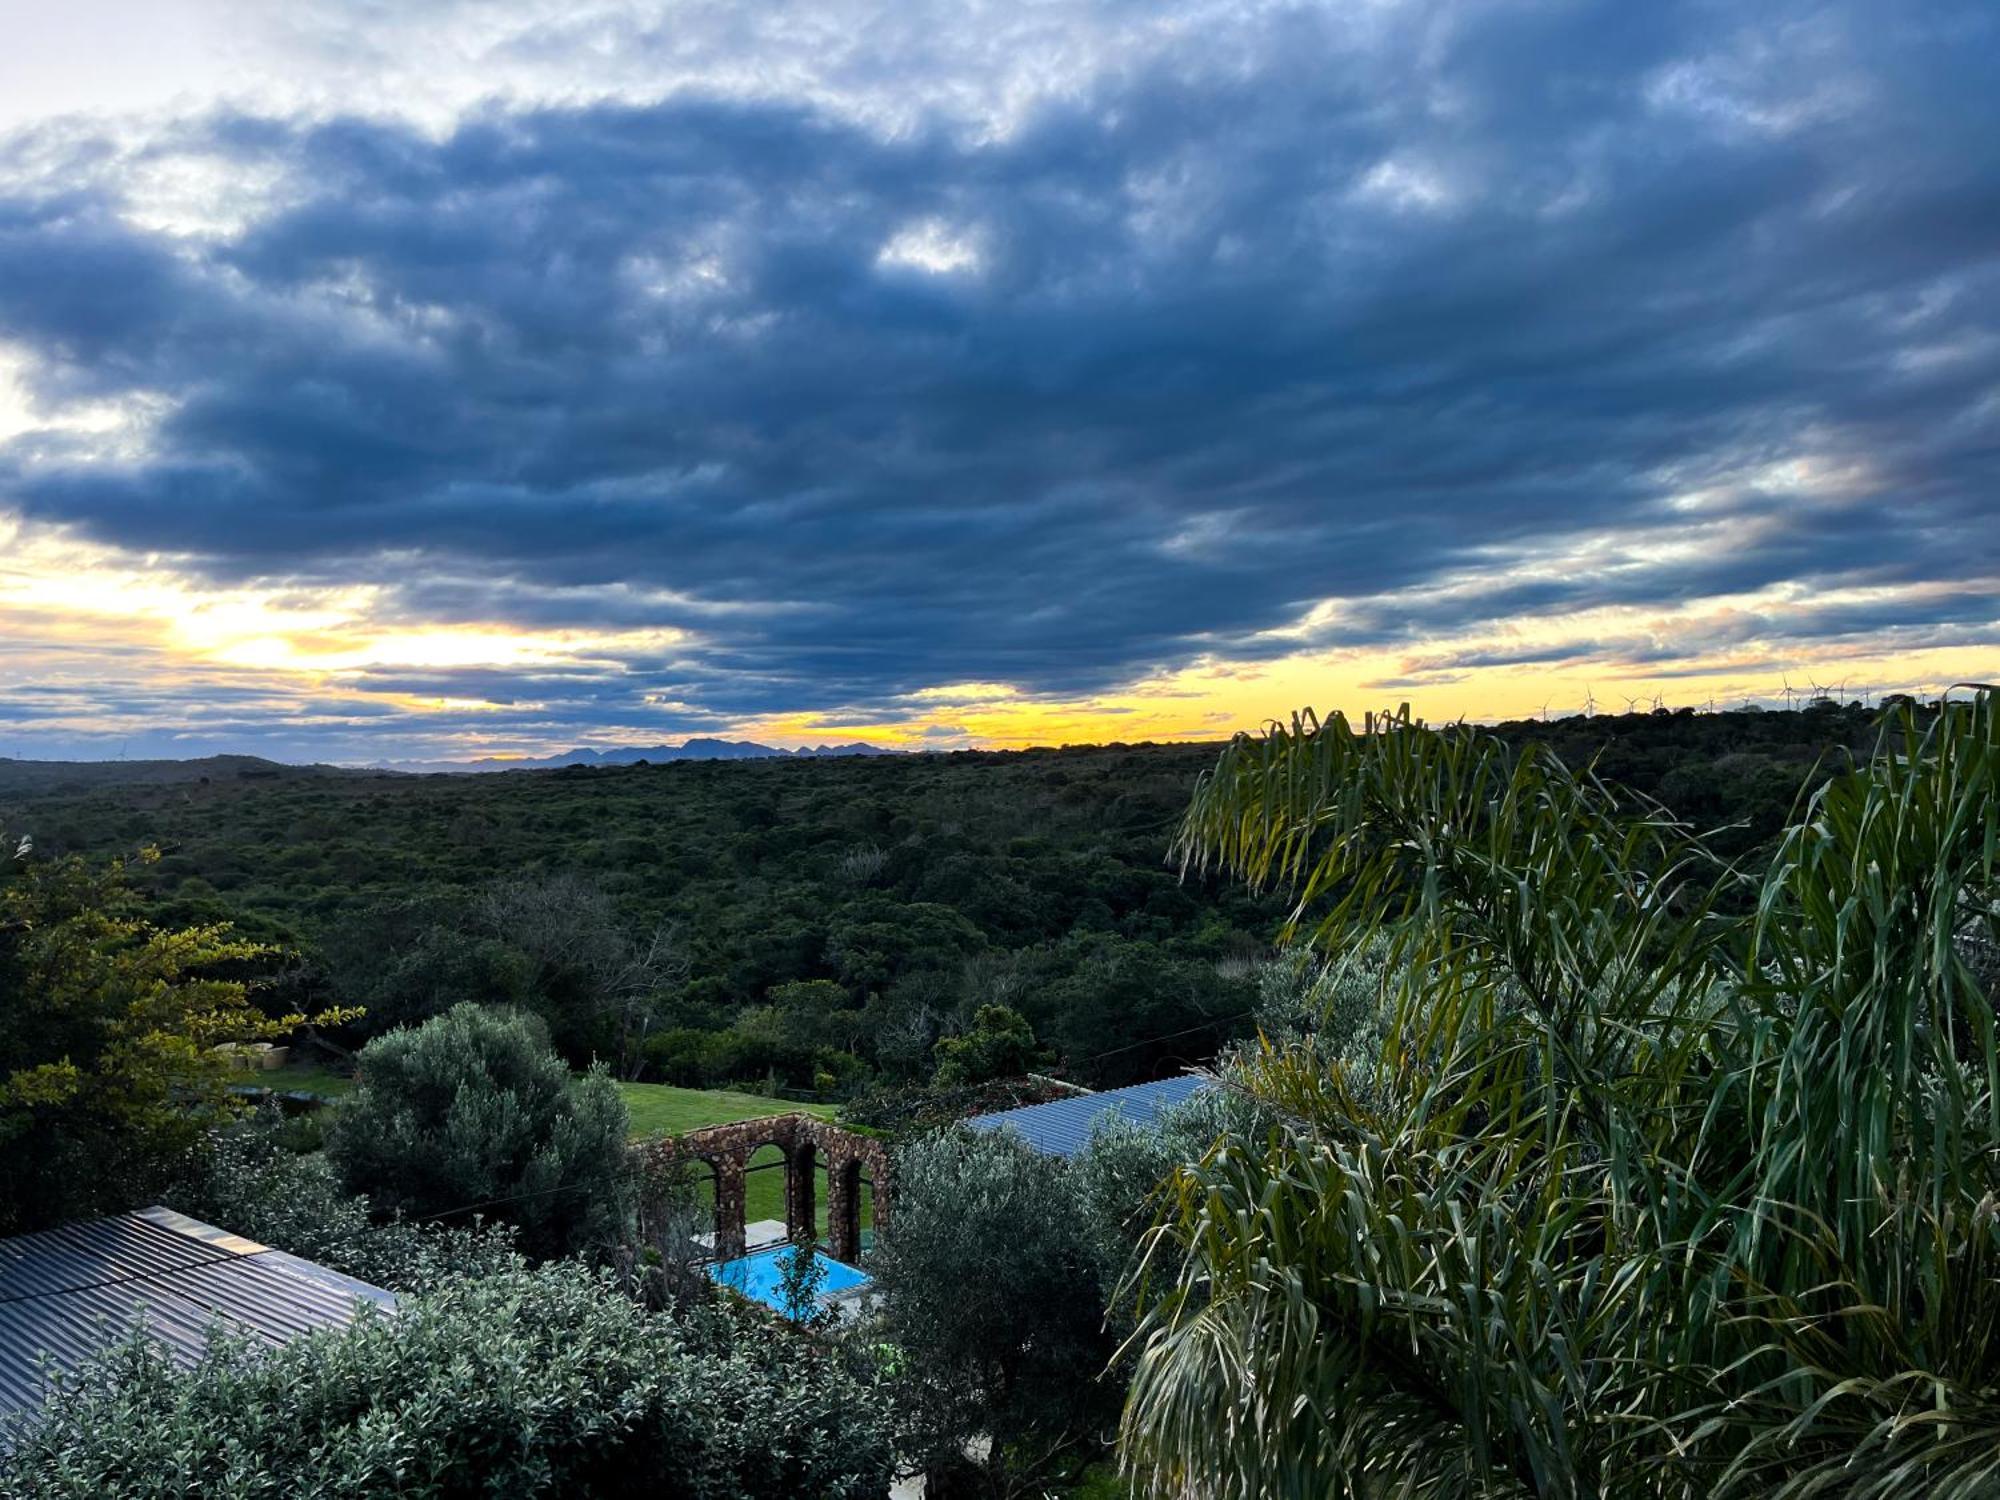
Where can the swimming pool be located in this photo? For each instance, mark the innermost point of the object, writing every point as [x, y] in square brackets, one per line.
[761, 1277]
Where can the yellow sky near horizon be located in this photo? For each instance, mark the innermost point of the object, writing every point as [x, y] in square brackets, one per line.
[106, 644]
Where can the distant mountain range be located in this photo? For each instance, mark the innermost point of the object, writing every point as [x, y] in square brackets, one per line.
[627, 755]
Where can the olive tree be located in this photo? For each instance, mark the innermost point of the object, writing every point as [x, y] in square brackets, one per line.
[991, 1287]
[471, 1113]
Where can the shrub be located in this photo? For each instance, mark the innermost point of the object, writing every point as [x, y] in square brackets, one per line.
[990, 1286]
[245, 1180]
[528, 1383]
[1118, 1179]
[472, 1113]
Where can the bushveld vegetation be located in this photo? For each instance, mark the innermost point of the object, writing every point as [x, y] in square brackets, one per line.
[815, 927]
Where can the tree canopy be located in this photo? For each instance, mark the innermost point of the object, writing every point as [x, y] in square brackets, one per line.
[110, 1027]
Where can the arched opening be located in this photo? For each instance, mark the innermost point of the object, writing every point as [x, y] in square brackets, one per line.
[766, 1192]
[706, 1192]
[864, 1210]
[844, 1203]
[803, 1214]
[696, 1195]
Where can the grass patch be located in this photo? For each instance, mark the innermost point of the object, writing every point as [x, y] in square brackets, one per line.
[298, 1078]
[662, 1109]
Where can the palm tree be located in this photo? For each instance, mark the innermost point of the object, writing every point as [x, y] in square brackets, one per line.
[1673, 1179]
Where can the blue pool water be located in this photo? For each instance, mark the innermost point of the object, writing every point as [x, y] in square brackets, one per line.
[759, 1276]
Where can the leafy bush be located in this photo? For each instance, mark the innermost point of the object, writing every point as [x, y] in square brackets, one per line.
[521, 1384]
[1119, 1180]
[1001, 1044]
[1341, 1010]
[472, 1113]
[244, 1179]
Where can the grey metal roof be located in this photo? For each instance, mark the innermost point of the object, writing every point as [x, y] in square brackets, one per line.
[1060, 1127]
[68, 1293]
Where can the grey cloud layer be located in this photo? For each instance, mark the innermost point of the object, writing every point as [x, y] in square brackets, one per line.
[1317, 314]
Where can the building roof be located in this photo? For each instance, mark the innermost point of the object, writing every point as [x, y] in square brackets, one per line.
[1060, 1127]
[67, 1294]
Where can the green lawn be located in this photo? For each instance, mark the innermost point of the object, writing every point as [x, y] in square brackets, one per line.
[657, 1108]
[662, 1109]
[298, 1078]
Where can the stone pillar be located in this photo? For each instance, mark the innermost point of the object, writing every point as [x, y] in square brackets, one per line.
[801, 1191]
[728, 1207]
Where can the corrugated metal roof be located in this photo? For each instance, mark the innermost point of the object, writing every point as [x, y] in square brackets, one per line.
[67, 1294]
[1060, 1127]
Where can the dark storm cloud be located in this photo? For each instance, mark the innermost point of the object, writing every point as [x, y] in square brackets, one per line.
[1201, 345]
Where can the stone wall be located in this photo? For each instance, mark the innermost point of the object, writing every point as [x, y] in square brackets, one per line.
[806, 1141]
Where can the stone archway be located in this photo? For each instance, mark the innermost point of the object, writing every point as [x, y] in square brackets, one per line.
[805, 1141]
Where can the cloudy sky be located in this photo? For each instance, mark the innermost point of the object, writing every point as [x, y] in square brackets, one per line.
[435, 377]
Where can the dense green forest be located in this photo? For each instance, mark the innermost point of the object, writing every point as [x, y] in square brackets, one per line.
[819, 927]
